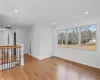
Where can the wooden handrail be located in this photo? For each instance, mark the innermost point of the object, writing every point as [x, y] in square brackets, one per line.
[11, 46]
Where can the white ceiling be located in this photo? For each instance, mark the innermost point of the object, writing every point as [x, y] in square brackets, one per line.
[60, 11]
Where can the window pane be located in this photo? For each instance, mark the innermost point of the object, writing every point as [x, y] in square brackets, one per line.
[72, 38]
[88, 37]
[62, 38]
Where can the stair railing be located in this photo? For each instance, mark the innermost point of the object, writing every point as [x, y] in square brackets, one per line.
[10, 58]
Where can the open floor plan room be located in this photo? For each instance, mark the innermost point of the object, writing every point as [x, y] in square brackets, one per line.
[49, 39]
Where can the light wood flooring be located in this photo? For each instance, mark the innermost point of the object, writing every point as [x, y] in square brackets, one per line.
[48, 69]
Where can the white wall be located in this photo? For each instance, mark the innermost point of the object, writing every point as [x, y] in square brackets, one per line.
[30, 39]
[35, 42]
[89, 58]
[22, 37]
[42, 41]
[4, 37]
[11, 38]
[46, 42]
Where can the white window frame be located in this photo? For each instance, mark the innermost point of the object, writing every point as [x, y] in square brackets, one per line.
[67, 39]
[79, 38]
[96, 39]
[58, 35]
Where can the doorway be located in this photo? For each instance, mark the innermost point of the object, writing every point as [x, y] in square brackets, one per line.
[15, 43]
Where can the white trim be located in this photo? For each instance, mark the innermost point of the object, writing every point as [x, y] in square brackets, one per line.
[97, 37]
[30, 54]
[41, 58]
[78, 62]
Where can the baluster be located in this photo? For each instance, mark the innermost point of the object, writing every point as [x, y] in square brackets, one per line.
[2, 59]
[11, 57]
[17, 55]
[22, 54]
[7, 58]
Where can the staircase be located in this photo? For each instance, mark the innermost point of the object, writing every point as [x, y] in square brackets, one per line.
[9, 58]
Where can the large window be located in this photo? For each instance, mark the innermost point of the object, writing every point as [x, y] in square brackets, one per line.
[81, 37]
[88, 37]
[62, 38]
[72, 39]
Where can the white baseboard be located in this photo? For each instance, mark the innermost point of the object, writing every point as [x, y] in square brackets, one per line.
[34, 56]
[41, 58]
[30, 54]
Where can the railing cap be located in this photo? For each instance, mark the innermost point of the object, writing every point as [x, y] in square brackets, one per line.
[8, 47]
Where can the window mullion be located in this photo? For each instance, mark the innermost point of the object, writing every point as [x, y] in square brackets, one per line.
[66, 38]
[79, 38]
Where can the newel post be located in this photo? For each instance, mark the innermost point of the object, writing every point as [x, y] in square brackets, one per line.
[22, 54]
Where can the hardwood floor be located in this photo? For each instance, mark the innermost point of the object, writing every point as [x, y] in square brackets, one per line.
[48, 69]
